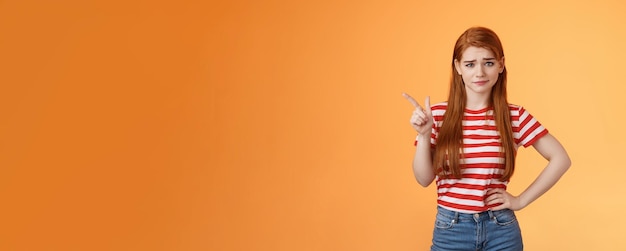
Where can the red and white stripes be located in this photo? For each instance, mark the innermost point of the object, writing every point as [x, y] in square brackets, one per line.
[482, 157]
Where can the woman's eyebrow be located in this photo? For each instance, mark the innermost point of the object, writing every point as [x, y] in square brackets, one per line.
[472, 61]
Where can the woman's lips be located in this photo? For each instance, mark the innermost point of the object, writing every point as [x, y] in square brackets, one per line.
[481, 82]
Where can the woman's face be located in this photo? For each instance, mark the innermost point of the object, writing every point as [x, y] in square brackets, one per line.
[479, 69]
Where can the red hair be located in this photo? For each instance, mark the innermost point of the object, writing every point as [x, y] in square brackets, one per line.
[450, 138]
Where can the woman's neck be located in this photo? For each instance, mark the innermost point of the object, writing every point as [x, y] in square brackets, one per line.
[477, 102]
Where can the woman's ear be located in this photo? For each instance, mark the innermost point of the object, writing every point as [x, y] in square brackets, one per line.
[501, 65]
[457, 66]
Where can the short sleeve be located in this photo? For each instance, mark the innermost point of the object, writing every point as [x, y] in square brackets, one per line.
[526, 129]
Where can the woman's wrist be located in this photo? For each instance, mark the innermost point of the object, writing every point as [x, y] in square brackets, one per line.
[424, 137]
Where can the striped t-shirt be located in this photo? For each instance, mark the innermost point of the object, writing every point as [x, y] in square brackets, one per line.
[482, 162]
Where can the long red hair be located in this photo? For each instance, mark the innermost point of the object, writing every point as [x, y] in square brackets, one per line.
[450, 137]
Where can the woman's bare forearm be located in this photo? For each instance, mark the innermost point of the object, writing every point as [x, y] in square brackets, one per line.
[423, 162]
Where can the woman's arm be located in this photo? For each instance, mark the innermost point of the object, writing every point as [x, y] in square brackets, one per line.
[558, 163]
[422, 121]
[423, 161]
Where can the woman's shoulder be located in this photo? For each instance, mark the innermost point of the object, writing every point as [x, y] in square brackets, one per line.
[439, 108]
[440, 105]
[514, 107]
[517, 110]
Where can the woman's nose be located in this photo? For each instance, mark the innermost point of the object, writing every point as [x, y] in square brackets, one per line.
[480, 71]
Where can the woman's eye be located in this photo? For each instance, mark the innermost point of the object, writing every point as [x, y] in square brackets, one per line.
[469, 65]
[489, 63]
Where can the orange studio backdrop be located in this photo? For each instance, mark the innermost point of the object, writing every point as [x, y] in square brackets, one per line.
[280, 125]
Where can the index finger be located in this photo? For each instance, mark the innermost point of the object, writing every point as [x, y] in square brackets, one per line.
[411, 99]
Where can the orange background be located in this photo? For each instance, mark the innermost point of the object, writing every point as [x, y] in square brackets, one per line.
[275, 125]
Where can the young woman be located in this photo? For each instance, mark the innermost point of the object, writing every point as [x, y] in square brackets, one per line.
[469, 145]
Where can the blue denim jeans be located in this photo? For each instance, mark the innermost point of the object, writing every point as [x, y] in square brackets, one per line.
[486, 231]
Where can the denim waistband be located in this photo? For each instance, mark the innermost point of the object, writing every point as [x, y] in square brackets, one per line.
[459, 217]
